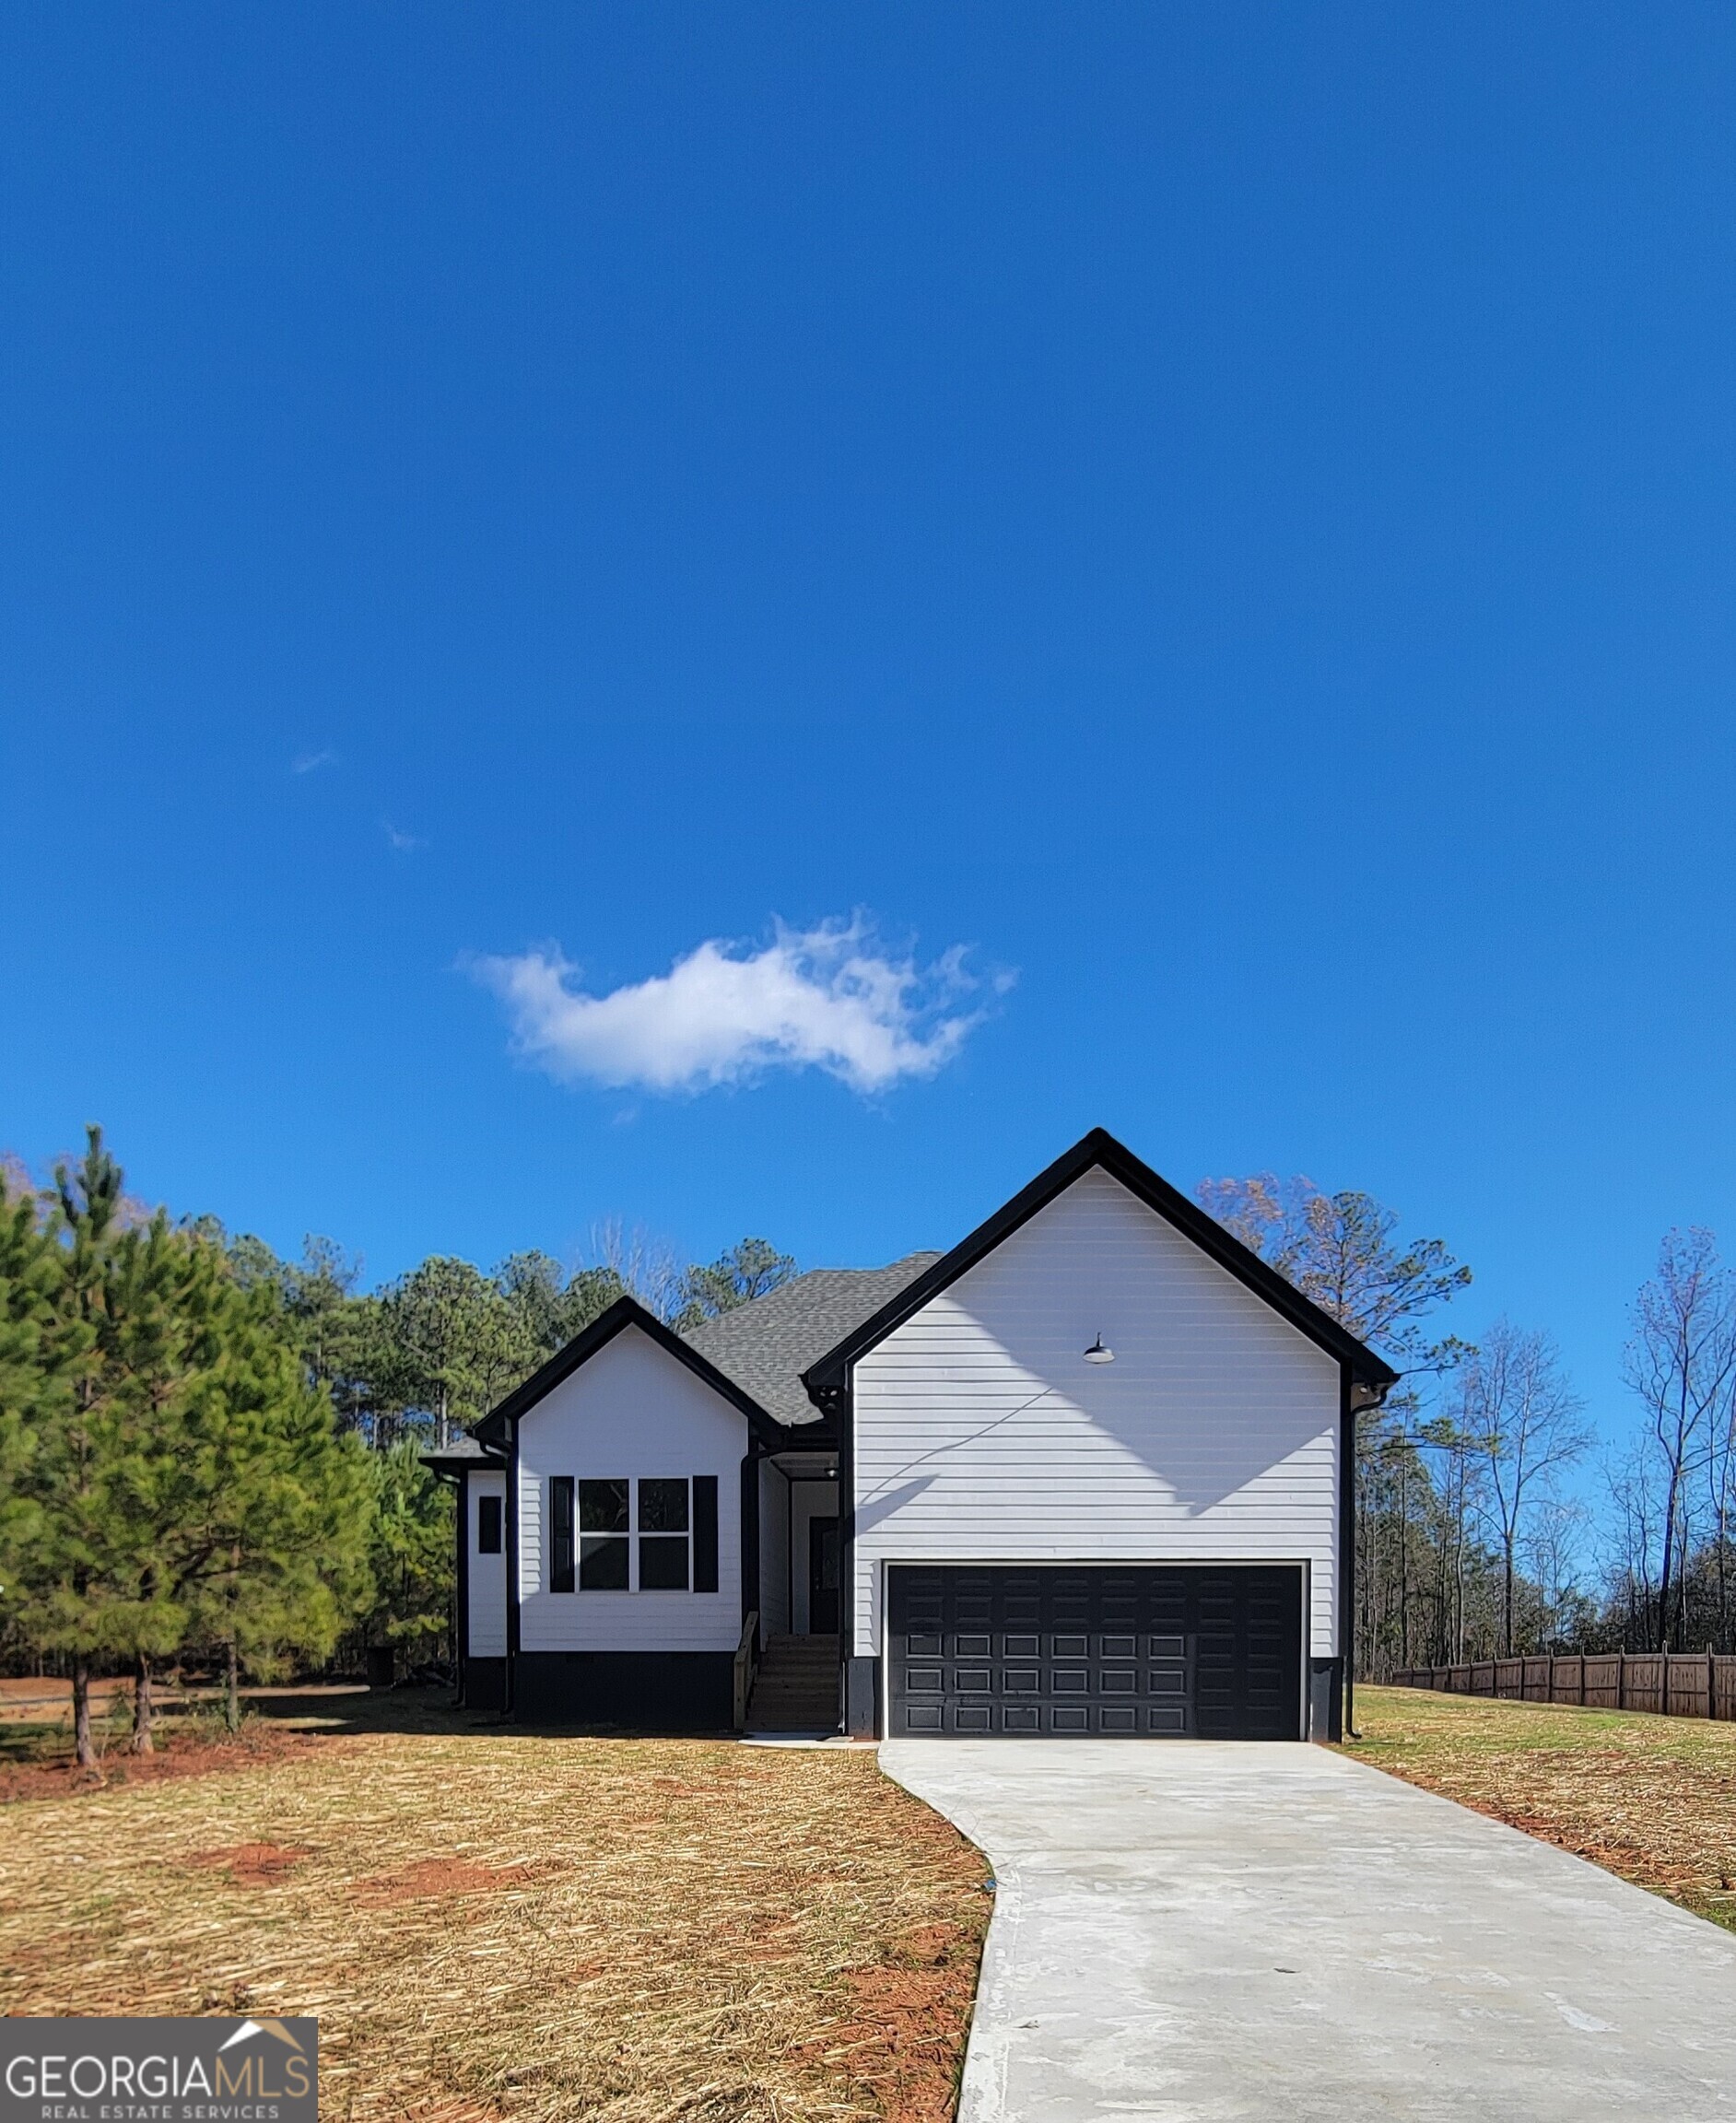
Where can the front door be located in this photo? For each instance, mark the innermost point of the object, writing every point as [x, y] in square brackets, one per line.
[822, 1577]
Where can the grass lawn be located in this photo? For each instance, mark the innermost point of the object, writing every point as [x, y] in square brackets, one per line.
[494, 1923]
[1652, 1798]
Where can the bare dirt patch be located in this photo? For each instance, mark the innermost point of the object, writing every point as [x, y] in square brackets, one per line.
[1650, 1799]
[896, 2039]
[435, 1876]
[495, 1927]
[254, 1864]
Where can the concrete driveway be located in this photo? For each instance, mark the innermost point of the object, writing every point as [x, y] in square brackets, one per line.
[1196, 1932]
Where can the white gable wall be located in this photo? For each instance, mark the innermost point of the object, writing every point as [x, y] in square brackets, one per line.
[484, 1574]
[632, 1410]
[981, 1435]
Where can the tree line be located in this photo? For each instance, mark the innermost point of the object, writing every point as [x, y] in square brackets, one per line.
[211, 1453]
[1473, 1535]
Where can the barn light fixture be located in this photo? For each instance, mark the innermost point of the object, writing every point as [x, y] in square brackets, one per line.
[1098, 1354]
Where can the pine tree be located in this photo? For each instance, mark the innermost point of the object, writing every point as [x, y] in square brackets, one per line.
[175, 1467]
[100, 1432]
[265, 1538]
[29, 1377]
[411, 1538]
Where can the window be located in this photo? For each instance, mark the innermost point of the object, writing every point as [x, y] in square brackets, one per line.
[488, 1525]
[662, 1536]
[560, 1533]
[602, 1559]
[594, 1526]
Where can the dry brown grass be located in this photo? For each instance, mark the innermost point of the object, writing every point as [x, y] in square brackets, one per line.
[489, 1924]
[1651, 1799]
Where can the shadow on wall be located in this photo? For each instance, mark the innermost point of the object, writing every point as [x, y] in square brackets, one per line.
[1184, 1434]
[882, 1503]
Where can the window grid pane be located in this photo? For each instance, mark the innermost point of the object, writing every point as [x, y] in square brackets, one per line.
[662, 1563]
[663, 1506]
[603, 1506]
[602, 1563]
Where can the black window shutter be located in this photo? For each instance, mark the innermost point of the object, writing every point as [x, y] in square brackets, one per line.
[705, 1532]
[560, 1533]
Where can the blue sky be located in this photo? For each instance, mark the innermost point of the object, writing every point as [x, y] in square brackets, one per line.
[1222, 513]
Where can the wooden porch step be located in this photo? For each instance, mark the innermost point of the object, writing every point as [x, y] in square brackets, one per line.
[796, 1688]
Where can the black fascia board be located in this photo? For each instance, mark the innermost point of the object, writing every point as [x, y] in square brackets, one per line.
[456, 1463]
[497, 1426]
[824, 1379]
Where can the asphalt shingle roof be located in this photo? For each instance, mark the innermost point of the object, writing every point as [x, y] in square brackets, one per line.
[463, 1449]
[766, 1345]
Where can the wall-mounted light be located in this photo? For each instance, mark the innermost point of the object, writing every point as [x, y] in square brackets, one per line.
[1098, 1354]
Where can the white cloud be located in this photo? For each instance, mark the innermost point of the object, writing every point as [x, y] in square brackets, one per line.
[830, 997]
[311, 762]
[400, 842]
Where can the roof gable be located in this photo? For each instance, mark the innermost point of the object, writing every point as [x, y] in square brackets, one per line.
[825, 1379]
[496, 1427]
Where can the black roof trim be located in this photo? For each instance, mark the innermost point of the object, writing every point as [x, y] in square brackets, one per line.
[496, 1426]
[825, 1379]
[454, 1460]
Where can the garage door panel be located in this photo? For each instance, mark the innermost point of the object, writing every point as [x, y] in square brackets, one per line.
[1134, 1651]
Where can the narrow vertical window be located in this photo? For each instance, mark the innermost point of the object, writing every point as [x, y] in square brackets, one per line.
[705, 1532]
[560, 1533]
[488, 1525]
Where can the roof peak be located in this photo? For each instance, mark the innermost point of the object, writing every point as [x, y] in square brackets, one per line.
[1097, 1149]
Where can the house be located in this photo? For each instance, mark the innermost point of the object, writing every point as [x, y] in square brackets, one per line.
[1087, 1472]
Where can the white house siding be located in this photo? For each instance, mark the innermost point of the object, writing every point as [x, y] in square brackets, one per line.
[632, 1410]
[486, 1575]
[774, 1550]
[981, 1435]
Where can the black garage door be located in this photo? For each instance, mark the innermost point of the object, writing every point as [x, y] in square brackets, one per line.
[1214, 1652]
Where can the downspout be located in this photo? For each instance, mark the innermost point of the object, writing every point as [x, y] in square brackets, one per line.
[510, 1692]
[846, 1413]
[751, 1601]
[1352, 1408]
[461, 1585]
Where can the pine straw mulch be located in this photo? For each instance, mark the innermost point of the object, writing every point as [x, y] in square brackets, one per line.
[495, 1925]
[1651, 1799]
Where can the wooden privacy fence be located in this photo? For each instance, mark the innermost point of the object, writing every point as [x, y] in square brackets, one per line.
[1673, 1684]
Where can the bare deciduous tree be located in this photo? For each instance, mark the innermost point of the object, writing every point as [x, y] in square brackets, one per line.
[1555, 1544]
[1521, 1419]
[645, 1266]
[1720, 1485]
[1633, 1542]
[1339, 1250]
[1680, 1362]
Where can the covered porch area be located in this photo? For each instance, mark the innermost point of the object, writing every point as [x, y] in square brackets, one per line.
[795, 1686]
